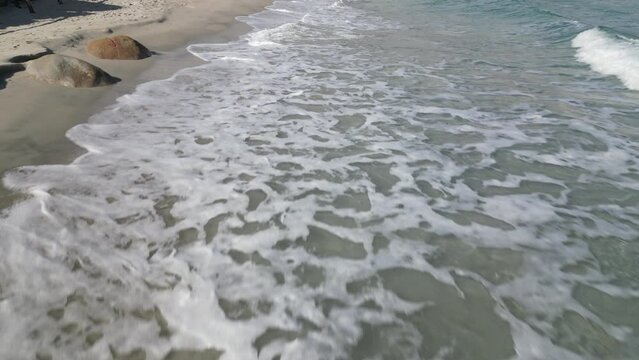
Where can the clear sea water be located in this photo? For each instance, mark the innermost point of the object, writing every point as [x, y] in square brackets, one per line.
[367, 179]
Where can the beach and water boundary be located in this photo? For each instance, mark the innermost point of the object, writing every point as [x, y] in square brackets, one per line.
[35, 115]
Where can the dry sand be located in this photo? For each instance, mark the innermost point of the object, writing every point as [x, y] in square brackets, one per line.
[53, 21]
[34, 116]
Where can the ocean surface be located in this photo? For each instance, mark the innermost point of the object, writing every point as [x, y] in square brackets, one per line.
[369, 179]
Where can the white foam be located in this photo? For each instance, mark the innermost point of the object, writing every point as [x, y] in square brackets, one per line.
[609, 55]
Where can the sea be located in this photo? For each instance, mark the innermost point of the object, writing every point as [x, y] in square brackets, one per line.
[351, 179]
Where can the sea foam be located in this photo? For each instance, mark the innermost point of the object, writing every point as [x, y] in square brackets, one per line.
[610, 55]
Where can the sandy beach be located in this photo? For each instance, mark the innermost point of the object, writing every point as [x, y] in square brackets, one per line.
[33, 135]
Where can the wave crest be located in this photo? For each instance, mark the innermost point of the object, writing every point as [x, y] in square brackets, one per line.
[610, 55]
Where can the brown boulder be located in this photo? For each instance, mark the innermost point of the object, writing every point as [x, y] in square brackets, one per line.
[119, 47]
[68, 71]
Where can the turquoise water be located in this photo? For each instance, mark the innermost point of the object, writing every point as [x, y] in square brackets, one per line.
[350, 180]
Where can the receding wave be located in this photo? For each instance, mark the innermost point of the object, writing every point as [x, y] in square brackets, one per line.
[610, 54]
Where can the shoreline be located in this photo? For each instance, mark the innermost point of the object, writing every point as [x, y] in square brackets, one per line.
[36, 116]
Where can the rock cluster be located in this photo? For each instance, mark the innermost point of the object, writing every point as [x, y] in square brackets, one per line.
[69, 71]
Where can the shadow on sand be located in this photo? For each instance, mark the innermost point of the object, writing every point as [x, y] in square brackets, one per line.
[3, 80]
[47, 12]
[7, 71]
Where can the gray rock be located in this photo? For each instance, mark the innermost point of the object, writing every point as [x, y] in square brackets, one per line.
[68, 71]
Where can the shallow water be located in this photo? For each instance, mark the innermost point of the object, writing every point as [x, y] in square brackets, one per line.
[351, 180]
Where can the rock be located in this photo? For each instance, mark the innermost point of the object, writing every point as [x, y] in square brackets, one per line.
[68, 71]
[119, 47]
